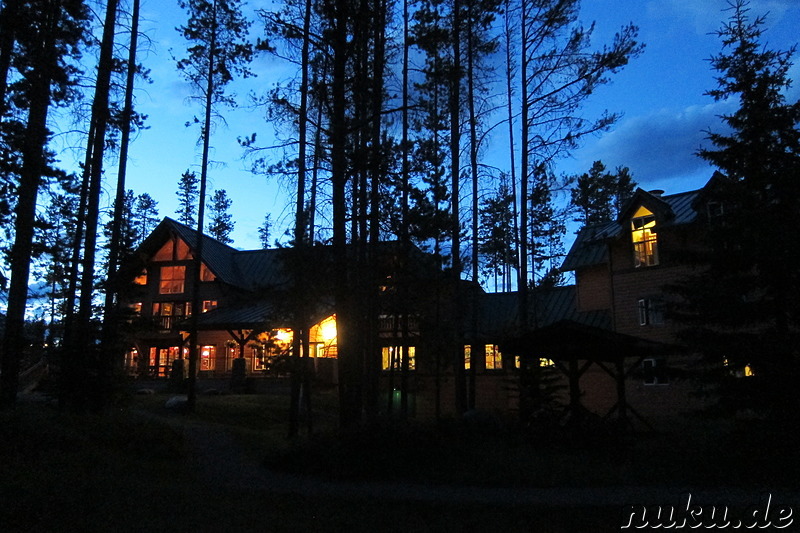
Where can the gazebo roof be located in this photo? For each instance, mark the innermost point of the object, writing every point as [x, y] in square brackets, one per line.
[567, 339]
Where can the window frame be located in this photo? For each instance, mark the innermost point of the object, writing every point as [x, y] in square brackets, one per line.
[650, 311]
[172, 284]
[644, 239]
[654, 371]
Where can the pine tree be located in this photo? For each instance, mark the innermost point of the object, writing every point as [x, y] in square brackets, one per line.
[265, 232]
[218, 50]
[598, 195]
[220, 223]
[187, 198]
[497, 236]
[127, 233]
[145, 216]
[558, 73]
[742, 309]
[547, 223]
[50, 35]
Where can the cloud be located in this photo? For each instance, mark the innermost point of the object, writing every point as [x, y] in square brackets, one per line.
[707, 16]
[659, 146]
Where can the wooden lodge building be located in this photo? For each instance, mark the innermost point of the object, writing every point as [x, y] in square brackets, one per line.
[606, 335]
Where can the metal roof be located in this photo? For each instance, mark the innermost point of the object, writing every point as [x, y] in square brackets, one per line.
[499, 312]
[591, 245]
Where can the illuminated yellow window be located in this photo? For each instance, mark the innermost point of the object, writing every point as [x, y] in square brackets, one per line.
[208, 305]
[494, 359]
[546, 362]
[645, 242]
[467, 356]
[392, 357]
[172, 280]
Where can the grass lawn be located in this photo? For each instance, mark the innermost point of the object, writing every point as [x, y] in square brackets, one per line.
[130, 469]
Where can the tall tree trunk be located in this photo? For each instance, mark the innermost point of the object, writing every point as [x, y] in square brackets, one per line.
[473, 164]
[300, 345]
[100, 117]
[373, 361]
[8, 26]
[201, 209]
[511, 147]
[522, 283]
[110, 344]
[455, 175]
[349, 374]
[405, 238]
[33, 163]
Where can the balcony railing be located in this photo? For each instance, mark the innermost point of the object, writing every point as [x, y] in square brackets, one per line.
[393, 325]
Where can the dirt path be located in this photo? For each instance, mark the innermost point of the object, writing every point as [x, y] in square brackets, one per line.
[219, 460]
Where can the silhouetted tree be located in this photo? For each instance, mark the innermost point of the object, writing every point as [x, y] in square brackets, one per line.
[217, 34]
[145, 216]
[187, 198]
[497, 244]
[49, 33]
[741, 309]
[598, 195]
[220, 223]
[558, 73]
[265, 232]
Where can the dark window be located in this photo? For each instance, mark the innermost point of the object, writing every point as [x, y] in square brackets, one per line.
[650, 311]
[655, 372]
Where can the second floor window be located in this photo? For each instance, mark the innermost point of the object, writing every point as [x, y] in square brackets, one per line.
[650, 311]
[172, 280]
[645, 242]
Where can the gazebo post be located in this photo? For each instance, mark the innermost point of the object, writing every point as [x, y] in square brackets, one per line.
[622, 402]
[574, 387]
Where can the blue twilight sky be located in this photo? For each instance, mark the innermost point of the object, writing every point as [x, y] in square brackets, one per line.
[661, 95]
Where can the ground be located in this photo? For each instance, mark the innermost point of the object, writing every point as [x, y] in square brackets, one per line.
[143, 467]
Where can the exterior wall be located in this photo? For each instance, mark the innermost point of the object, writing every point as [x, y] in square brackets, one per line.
[633, 285]
[593, 288]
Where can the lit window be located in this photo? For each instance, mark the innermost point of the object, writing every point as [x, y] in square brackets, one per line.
[467, 356]
[172, 278]
[208, 305]
[392, 357]
[544, 363]
[141, 279]
[206, 274]
[208, 355]
[645, 242]
[655, 372]
[494, 360]
[260, 361]
[136, 308]
[650, 311]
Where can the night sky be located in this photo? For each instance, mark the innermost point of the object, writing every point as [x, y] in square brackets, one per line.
[661, 95]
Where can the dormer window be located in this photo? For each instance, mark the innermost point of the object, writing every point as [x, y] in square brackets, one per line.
[645, 241]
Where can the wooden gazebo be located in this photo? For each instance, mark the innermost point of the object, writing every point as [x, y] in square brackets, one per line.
[575, 347]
